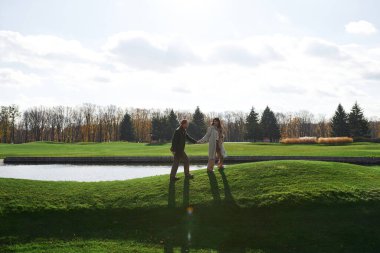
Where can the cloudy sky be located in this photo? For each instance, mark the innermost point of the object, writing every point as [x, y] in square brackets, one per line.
[221, 55]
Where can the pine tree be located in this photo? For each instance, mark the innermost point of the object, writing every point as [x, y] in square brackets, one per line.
[197, 126]
[159, 128]
[253, 131]
[339, 123]
[358, 125]
[269, 125]
[127, 131]
[172, 124]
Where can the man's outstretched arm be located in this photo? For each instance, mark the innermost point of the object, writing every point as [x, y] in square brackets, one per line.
[190, 139]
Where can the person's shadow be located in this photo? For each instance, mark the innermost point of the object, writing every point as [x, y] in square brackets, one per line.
[228, 198]
[171, 199]
[214, 188]
[227, 190]
[186, 193]
[168, 246]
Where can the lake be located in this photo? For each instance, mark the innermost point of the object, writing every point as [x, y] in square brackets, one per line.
[86, 173]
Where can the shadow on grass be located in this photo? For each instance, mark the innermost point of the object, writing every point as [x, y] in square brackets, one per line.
[223, 227]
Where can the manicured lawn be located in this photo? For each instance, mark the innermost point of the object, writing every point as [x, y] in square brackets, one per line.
[278, 206]
[141, 149]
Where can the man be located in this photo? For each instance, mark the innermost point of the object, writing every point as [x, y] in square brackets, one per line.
[178, 149]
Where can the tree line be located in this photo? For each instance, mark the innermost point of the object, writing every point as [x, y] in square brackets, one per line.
[93, 123]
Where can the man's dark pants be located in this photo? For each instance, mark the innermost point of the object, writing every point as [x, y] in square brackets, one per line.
[177, 158]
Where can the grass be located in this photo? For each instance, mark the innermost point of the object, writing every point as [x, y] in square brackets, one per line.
[141, 149]
[277, 206]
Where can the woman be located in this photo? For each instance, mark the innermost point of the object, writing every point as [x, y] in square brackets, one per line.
[215, 138]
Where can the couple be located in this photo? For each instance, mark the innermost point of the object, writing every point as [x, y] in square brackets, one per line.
[214, 137]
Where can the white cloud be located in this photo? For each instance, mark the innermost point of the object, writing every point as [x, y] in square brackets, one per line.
[131, 69]
[360, 27]
[10, 78]
[144, 51]
[37, 50]
[282, 18]
[235, 53]
[181, 89]
[323, 49]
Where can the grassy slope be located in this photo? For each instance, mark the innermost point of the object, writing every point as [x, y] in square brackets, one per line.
[282, 206]
[141, 149]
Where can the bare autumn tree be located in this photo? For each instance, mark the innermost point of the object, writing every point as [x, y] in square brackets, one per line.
[323, 127]
[37, 120]
[14, 113]
[374, 126]
[4, 121]
[25, 126]
[142, 124]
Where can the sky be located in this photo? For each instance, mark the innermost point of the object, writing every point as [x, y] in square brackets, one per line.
[221, 55]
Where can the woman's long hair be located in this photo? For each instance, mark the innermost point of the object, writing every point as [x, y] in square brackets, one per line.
[220, 126]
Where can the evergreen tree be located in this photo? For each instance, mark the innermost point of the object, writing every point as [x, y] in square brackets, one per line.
[172, 124]
[159, 128]
[197, 127]
[127, 131]
[339, 123]
[253, 131]
[269, 126]
[358, 125]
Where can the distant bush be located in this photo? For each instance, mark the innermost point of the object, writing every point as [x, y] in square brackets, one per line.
[315, 140]
[302, 140]
[335, 140]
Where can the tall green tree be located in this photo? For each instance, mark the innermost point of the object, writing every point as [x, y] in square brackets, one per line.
[197, 127]
[358, 124]
[160, 128]
[339, 123]
[252, 126]
[269, 126]
[127, 131]
[172, 124]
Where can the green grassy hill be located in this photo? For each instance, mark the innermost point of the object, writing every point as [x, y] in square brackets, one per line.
[142, 149]
[281, 206]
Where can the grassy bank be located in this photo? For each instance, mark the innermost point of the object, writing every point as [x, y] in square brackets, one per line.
[141, 149]
[283, 206]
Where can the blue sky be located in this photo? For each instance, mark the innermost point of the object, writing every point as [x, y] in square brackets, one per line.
[221, 55]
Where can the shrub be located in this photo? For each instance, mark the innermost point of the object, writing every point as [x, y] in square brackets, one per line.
[302, 140]
[315, 140]
[335, 140]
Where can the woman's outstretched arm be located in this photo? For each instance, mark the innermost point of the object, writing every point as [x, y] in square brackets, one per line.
[206, 137]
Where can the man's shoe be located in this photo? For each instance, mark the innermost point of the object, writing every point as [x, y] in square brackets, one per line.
[174, 179]
[189, 176]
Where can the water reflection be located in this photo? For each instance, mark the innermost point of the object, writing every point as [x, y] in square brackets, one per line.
[84, 173]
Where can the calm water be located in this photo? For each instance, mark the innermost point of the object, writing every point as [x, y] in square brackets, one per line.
[85, 173]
